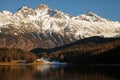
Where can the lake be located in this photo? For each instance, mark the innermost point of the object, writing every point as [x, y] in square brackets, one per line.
[59, 72]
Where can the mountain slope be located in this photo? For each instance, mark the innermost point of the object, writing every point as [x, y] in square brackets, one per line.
[48, 28]
[95, 51]
[85, 41]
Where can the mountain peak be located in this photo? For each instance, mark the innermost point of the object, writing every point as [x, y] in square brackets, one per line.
[89, 13]
[6, 12]
[23, 8]
[25, 11]
[42, 6]
[93, 16]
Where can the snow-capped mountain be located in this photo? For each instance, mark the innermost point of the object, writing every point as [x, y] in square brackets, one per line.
[47, 28]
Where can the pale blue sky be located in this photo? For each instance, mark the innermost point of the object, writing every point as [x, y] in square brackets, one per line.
[109, 9]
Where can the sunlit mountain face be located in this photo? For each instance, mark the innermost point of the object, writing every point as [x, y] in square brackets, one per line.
[44, 27]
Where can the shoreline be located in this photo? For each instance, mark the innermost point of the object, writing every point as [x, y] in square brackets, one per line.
[11, 63]
[41, 63]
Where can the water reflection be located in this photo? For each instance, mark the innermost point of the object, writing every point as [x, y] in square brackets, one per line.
[59, 72]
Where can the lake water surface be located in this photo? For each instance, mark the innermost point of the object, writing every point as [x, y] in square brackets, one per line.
[59, 72]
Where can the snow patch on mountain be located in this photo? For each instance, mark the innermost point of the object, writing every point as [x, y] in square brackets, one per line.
[46, 21]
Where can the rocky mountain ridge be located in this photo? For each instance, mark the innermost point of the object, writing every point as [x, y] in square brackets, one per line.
[48, 28]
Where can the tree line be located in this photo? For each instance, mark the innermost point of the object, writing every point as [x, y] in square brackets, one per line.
[88, 53]
[7, 55]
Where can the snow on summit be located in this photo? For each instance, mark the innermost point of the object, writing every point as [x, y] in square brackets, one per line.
[44, 20]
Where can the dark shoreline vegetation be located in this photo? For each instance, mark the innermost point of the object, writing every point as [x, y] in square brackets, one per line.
[8, 55]
[93, 50]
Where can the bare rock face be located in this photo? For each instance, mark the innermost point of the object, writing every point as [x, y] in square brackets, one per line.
[27, 41]
[48, 28]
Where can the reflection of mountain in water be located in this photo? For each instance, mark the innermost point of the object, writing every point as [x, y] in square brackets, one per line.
[59, 72]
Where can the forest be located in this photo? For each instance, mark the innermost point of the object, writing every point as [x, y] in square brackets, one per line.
[88, 51]
[7, 55]
[99, 51]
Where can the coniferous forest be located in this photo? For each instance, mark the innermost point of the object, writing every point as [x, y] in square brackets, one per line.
[87, 51]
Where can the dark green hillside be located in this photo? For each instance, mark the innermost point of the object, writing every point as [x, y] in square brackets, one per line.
[90, 53]
[93, 50]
